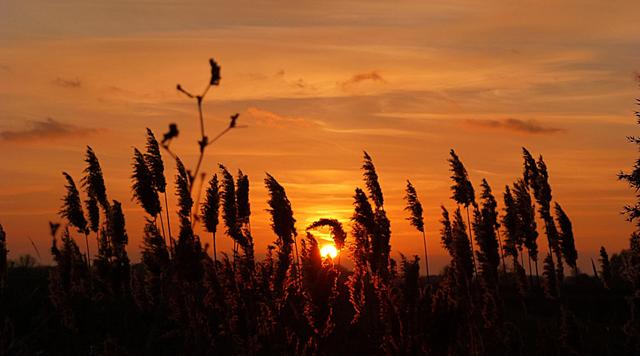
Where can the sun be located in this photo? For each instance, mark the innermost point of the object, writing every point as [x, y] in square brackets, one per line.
[329, 251]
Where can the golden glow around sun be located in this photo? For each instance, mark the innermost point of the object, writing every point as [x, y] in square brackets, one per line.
[328, 251]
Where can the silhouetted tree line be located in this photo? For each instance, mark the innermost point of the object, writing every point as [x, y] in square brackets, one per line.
[183, 299]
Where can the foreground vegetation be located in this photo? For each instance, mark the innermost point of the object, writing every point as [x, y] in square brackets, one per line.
[185, 298]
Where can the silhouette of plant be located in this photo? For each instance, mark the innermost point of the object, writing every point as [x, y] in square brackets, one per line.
[377, 225]
[93, 181]
[605, 268]
[179, 300]
[283, 224]
[337, 231]
[537, 178]
[511, 224]
[484, 226]
[414, 207]
[210, 211]
[72, 211]
[567, 242]
[144, 187]
[527, 223]
[153, 159]
[446, 233]
[463, 192]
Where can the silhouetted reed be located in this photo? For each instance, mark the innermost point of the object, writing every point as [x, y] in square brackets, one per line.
[283, 224]
[179, 300]
[210, 211]
[414, 207]
[463, 192]
[144, 187]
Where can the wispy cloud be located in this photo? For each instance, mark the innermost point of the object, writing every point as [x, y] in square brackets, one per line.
[373, 76]
[529, 126]
[44, 130]
[67, 83]
[390, 132]
[269, 118]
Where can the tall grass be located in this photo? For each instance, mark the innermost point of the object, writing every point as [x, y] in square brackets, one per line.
[181, 300]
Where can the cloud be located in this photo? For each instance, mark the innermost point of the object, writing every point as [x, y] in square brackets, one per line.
[67, 83]
[45, 130]
[523, 126]
[375, 132]
[373, 76]
[268, 118]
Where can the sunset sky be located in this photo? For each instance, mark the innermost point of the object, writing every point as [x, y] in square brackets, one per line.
[315, 84]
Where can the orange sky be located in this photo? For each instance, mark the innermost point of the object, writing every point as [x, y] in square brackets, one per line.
[316, 83]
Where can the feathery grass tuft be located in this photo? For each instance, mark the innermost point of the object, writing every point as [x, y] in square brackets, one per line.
[414, 207]
[462, 188]
[211, 208]
[242, 198]
[153, 158]
[371, 181]
[144, 189]
[567, 241]
[185, 202]
[337, 231]
[416, 219]
[283, 224]
[93, 181]
[93, 212]
[72, 207]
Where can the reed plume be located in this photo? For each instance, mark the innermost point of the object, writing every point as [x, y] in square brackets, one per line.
[550, 225]
[527, 225]
[362, 230]
[211, 209]
[536, 177]
[283, 224]
[242, 199]
[185, 202]
[371, 181]
[143, 187]
[462, 188]
[93, 180]
[243, 208]
[337, 231]
[93, 213]
[605, 268]
[446, 232]
[72, 207]
[154, 161]
[414, 207]
[118, 239]
[230, 210]
[187, 250]
[511, 223]
[484, 228]
[380, 232]
[567, 241]
[72, 211]
[462, 251]
[463, 192]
